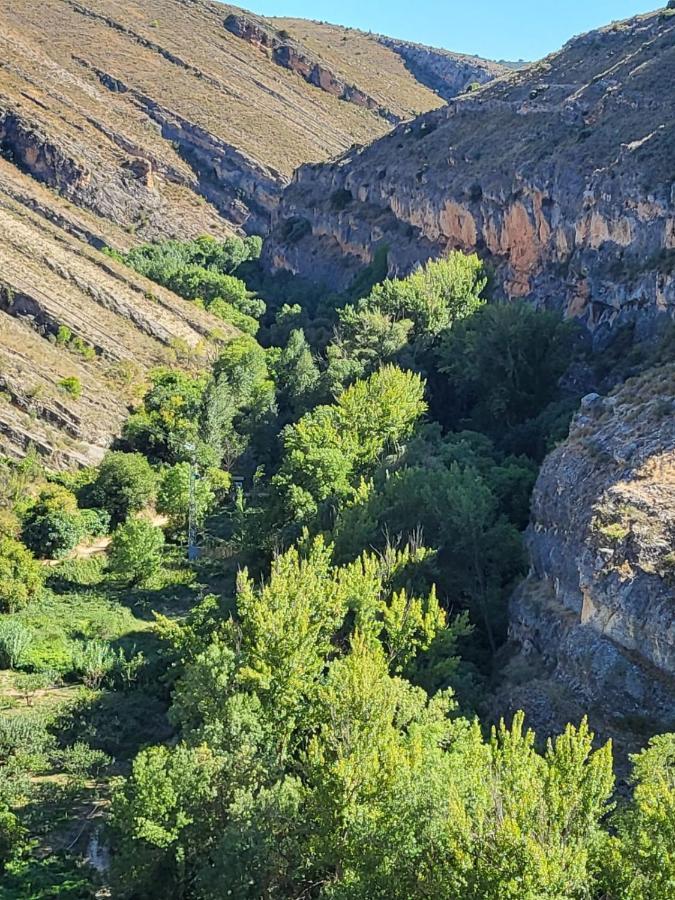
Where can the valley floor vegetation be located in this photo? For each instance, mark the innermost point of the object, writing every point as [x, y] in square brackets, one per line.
[301, 711]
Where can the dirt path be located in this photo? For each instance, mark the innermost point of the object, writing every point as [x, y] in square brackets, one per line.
[88, 548]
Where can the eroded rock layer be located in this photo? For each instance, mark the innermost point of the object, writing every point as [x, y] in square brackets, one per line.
[78, 331]
[157, 114]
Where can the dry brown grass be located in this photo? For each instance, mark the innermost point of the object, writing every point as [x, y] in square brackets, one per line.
[49, 278]
[225, 85]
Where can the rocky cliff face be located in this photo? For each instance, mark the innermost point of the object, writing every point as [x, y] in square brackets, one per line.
[446, 73]
[129, 120]
[598, 607]
[290, 54]
[68, 312]
[560, 174]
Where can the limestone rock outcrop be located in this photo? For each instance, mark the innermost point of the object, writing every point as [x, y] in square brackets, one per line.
[598, 607]
[157, 117]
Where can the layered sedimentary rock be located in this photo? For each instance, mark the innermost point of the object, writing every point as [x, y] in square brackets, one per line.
[445, 73]
[290, 54]
[78, 331]
[158, 117]
[124, 121]
[598, 607]
[560, 174]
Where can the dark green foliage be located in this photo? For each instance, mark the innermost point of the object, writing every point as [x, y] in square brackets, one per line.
[296, 376]
[166, 429]
[54, 534]
[203, 270]
[464, 504]
[313, 747]
[371, 274]
[501, 369]
[53, 524]
[125, 484]
[309, 767]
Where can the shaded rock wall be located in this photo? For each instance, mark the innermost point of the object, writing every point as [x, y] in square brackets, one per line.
[599, 603]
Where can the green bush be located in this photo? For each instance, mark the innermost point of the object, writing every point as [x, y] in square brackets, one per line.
[82, 761]
[125, 484]
[63, 334]
[53, 535]
[54, 525]
[136, 551]
[15, 642]
[174, 494]
[72, 386]
[29, 683]
[95, 522]
[83, 348]
[26, 740]
[21, 575]
[92, 661]
[233, 316]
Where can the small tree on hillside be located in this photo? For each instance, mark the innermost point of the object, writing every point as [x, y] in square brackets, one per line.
[136, 551]
[125, 484]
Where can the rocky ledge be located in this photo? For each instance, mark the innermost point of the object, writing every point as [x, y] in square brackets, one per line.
[598, 607]
[560, 175]
[290, 54]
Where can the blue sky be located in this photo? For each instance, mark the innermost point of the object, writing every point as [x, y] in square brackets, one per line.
[498, 29]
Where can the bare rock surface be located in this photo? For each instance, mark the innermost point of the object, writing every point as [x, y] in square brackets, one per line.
[597, 611]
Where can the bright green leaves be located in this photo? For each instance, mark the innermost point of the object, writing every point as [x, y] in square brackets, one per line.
[327, 450]
[440, 293]
[136, 551]
[287, 626]
[166, 429]
[155, 811]
[643, 853]
[401, 318]
[21, 575]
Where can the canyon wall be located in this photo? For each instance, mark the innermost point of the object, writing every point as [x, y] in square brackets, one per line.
[598, 607]
[560, 175]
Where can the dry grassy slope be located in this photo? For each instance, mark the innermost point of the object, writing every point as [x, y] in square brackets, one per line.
[136, 120]
[369, 61]
[50, 277]
[561, 174]
[153, 114]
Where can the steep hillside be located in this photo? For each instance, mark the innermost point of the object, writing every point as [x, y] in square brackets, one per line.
[68, 312]
[166, 117]
[122, 121]
[561, 174]
[598, 607]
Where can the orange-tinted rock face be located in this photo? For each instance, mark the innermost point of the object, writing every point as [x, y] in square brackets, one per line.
[561, 178]
[458, 226]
